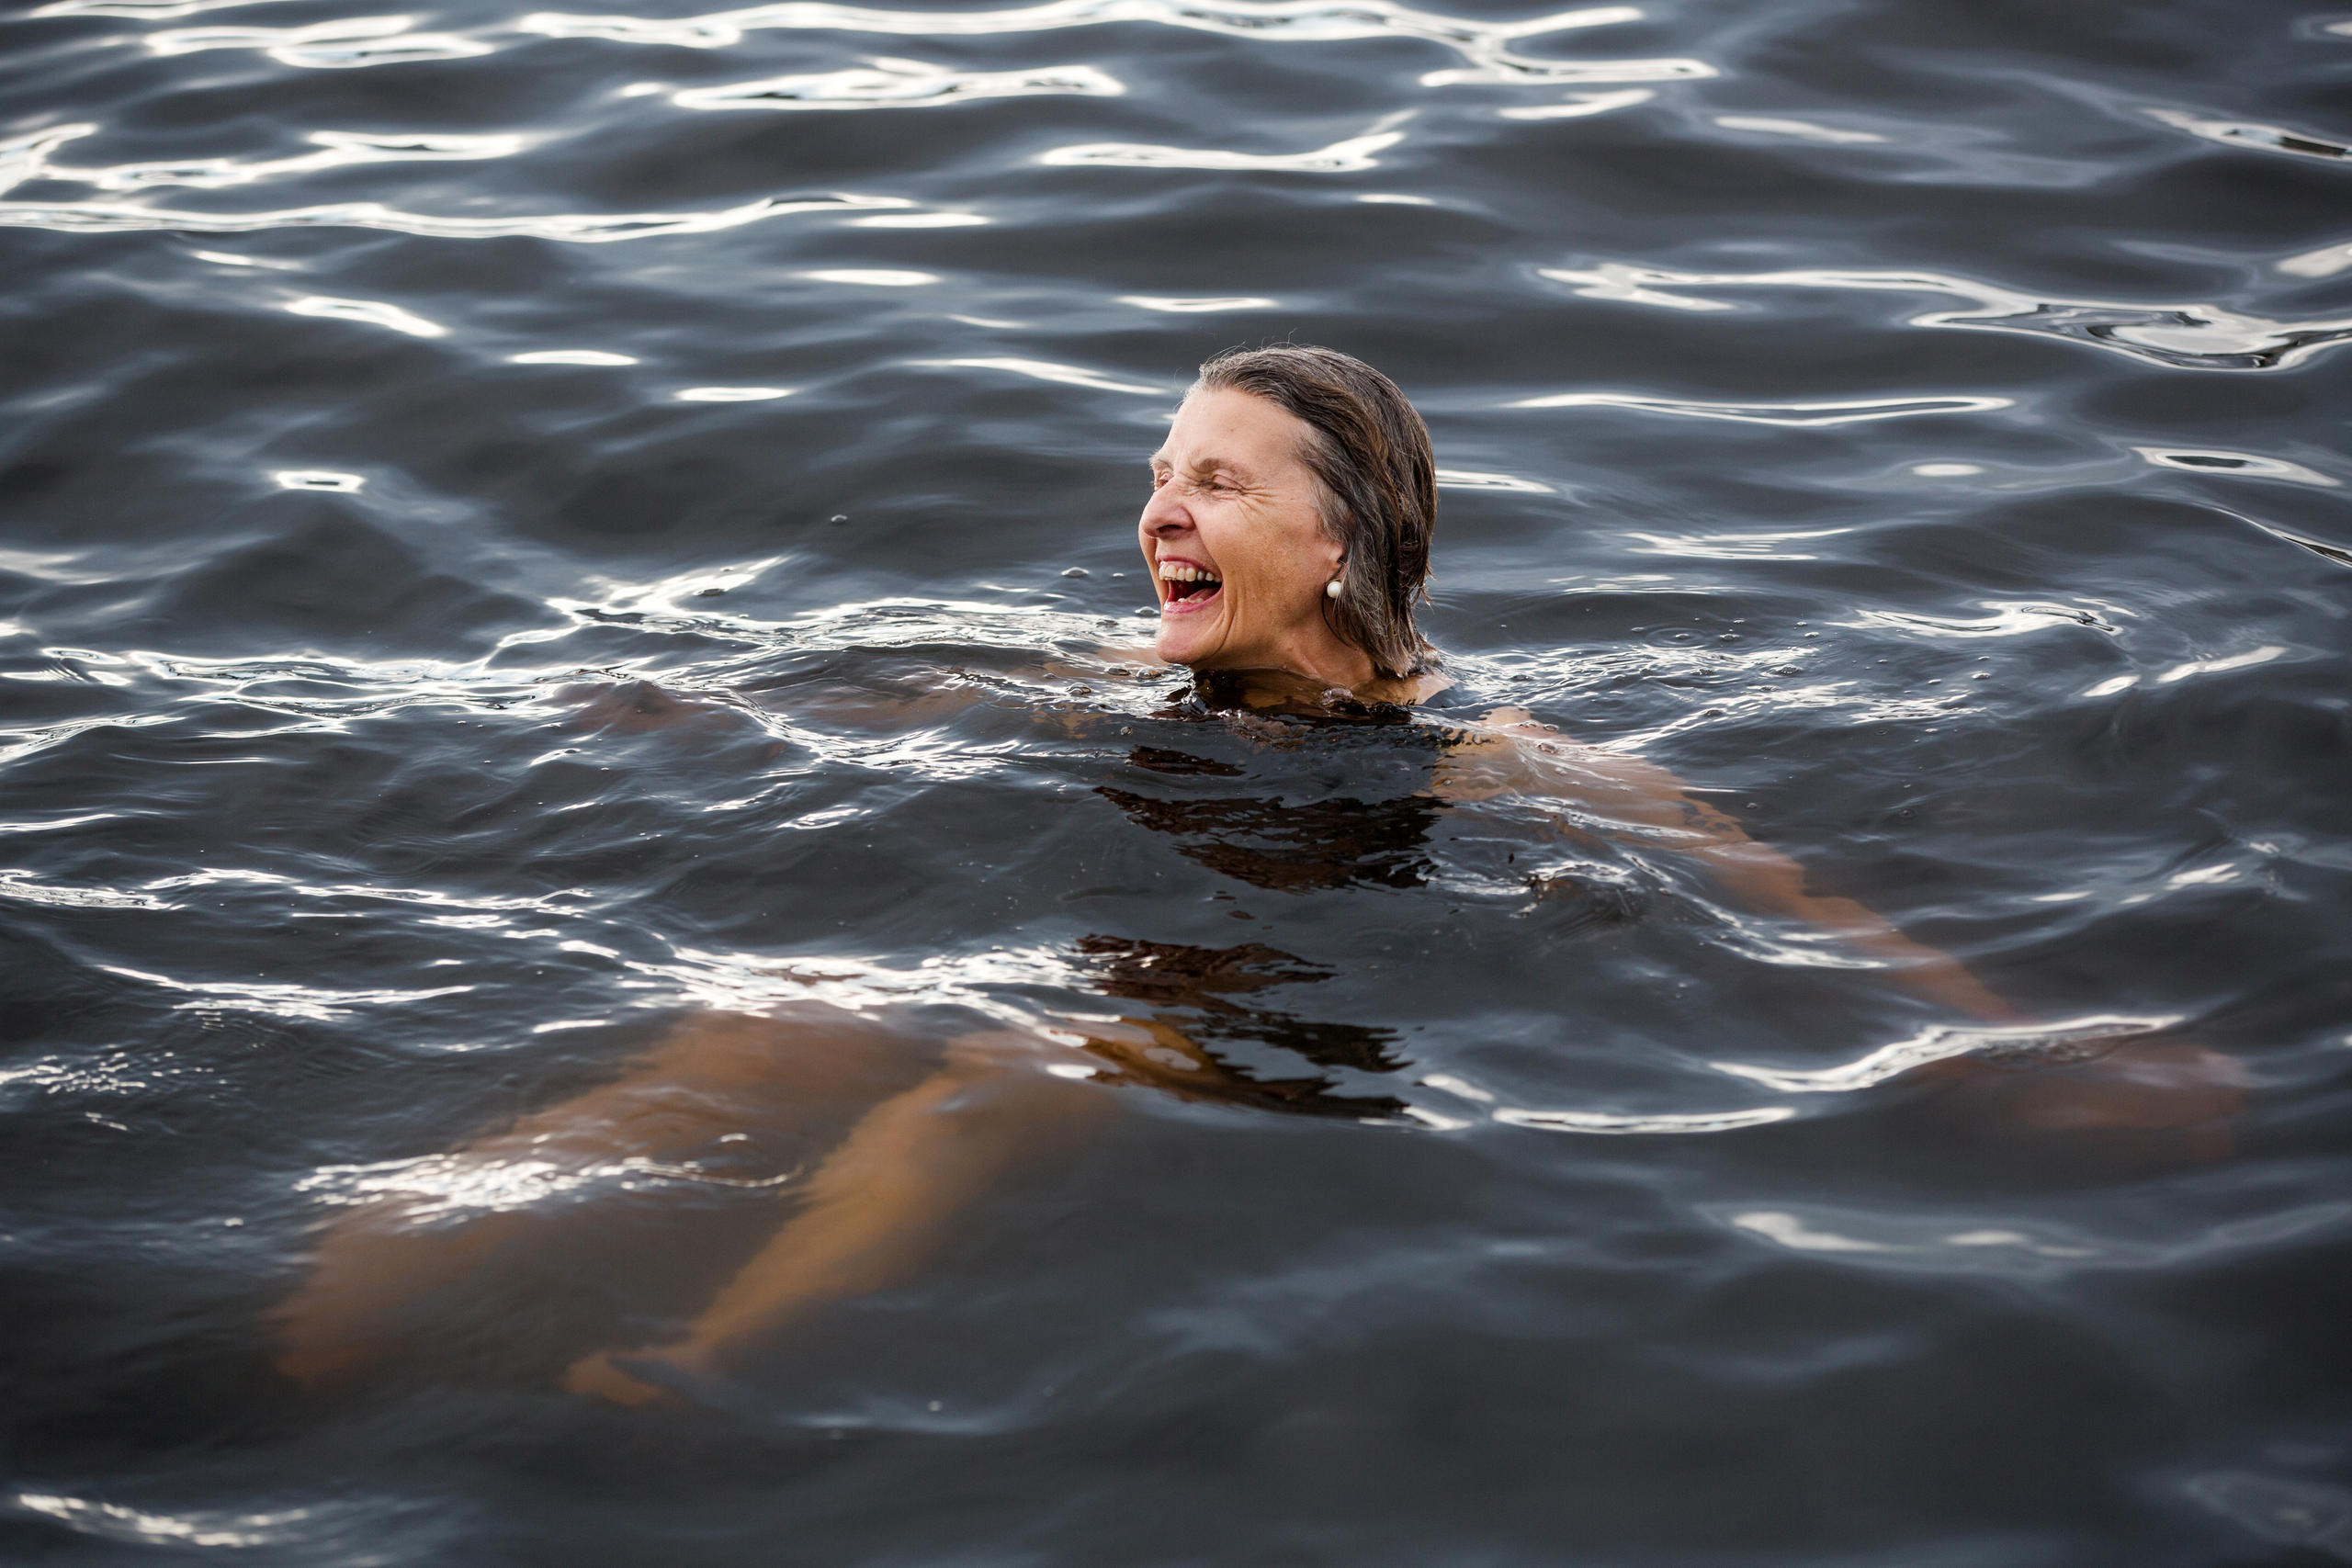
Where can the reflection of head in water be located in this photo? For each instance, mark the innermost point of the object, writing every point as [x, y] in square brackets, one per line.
[1289, 522]
[1186, 990]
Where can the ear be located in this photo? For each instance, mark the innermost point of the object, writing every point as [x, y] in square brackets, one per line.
[1330, 552]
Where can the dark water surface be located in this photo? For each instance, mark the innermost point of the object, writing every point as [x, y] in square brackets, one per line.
[1921, 426]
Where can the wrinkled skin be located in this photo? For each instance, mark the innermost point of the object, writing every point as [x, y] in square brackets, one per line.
[1232, 495]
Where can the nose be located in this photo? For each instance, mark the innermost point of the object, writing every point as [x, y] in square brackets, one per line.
[1163, 515]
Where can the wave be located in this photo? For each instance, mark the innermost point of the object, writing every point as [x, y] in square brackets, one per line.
[24, 159]
[1813, 415]
[1046, 370]
[578, 228]
[1483, 45]
[1351, 156]
[2188, 337]
[887, 84]
[343, 44]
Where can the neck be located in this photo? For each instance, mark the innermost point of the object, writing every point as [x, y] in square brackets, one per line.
[1315, 653]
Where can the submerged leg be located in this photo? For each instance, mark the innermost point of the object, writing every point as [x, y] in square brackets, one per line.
[711, 1075]
[876, 1208]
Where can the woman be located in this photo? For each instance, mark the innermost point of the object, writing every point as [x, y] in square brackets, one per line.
[1288, 533]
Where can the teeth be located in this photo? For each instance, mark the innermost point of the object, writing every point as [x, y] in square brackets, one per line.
[1173, 571]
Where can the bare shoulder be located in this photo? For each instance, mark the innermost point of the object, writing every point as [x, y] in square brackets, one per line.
[1408, 691]
[1510, 752]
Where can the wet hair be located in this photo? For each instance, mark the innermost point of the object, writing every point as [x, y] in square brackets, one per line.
[1370, 452]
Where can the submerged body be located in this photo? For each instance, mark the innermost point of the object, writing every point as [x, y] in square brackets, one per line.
[1287, 555]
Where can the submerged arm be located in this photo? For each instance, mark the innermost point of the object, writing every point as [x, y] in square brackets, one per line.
[2138, 1084]
[1509, 753]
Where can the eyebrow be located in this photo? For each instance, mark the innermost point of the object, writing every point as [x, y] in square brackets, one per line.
[1205, 465]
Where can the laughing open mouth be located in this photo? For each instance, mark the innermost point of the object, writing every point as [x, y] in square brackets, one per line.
[1187, 585]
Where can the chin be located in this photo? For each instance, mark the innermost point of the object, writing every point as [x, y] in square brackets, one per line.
[1175, 651]
[1183, 643]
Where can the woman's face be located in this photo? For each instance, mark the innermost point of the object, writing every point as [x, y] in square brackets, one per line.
[1234, 542]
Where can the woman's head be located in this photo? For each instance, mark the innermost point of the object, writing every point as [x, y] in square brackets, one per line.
[1288, 469]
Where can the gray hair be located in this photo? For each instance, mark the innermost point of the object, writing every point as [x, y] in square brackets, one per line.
[1370, 452]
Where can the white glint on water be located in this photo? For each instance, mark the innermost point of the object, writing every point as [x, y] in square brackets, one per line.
[885, 82]
[343, 44]
[873, 278]
[920, 221]
[1472, 479]
[1582, 105]
[1802, 128]
[2222, 665]
[570, 227]
[569, 356]
[2054, 1039]
[1202, 305]
[373, 312]
[2237, 465]
[1800, 415]
[1791, 1231]
[1483, 46]
[1670, 1123]
[1351, 156]
[1046, 370]
[2187, 336]
[222, 258]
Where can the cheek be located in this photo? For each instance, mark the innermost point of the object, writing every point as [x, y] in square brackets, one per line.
[1283, 570]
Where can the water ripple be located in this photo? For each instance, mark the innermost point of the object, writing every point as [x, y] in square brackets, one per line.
[141, 10]
[2243, 133]
[313, 1004]
[1678, 1122]
[2189, 337]
[1351, 156]
[887, 84]
[2068, 1039]
[582, 229]
[348, 42]
[1188, 306]
[569, 357]
[730, 394]
[2243, 464]
[1580, 106]
[25, 159]
[1046, 370]
[374, 312]
[2325, 262]
[1931, 1241]
[1813, 415]
[1804, 130]
[1484, 45]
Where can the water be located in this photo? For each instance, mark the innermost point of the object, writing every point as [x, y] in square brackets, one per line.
[525, 530]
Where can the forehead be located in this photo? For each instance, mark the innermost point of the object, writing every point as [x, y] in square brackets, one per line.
[1234, 429]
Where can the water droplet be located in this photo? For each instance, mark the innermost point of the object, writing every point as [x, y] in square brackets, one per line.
[1076, 572]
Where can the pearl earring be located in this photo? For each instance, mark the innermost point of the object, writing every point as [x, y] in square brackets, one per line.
[1332, 588]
